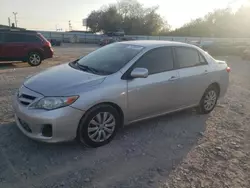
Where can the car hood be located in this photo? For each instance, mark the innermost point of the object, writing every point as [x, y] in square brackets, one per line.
[62, 80]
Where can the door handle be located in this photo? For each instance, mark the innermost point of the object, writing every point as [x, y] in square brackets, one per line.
[173, 78]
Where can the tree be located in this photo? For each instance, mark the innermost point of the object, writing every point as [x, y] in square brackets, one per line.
[219, 23]
[110, 20]
[93, 21]
[128, 15]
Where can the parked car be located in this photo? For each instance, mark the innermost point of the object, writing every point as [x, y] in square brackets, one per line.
[117, 33]
[55, 42]
[127, 38]
[24, 45]
[246, 54]
[107, 40]
[116, 85]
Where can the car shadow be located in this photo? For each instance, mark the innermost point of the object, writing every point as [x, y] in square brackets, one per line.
[13, 65]
[143, 151]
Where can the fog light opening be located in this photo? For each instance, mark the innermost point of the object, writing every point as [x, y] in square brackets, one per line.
[47, 130]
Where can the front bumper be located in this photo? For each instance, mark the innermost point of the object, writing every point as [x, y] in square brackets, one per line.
[64, 122]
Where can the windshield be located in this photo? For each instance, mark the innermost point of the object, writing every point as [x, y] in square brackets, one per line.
[111, 58]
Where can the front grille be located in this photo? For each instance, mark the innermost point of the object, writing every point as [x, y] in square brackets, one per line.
[25, 99]
[28, 97]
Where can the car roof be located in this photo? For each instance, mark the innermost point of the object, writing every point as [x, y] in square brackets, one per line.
[17, 31]
[156, 43]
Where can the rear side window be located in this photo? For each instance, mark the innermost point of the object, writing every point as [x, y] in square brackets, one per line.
[157, 60]
[18, 37]
[1, 37]
[202, 59]
[188, 57]
[13, 37]
[32, 38]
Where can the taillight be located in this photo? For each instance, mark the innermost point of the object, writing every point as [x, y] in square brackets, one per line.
[45, 41]
[228, 69]
[47, 44]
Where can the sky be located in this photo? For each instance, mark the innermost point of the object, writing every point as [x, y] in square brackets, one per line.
[52, 14]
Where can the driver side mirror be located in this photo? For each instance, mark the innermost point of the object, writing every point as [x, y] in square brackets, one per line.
[139, 73]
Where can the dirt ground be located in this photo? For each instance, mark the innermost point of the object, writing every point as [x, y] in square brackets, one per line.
[178, 150]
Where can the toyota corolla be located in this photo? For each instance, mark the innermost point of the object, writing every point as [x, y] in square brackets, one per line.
[92, 97]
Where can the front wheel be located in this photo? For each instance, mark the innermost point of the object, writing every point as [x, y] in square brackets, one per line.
[209, 100]
[34, 59]
[99, 126]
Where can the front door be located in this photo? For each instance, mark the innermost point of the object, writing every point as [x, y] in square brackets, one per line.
[155, 94]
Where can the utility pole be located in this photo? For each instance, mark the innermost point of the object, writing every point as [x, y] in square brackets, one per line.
[15, 13]
[9, 21]
[70, 26]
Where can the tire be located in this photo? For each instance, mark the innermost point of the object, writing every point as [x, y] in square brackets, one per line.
[34, 59]
[208, 100]
[91, 130]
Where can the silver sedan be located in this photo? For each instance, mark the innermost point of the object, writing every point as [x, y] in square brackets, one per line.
[92, 97]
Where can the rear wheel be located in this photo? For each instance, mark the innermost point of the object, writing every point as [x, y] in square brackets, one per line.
[99, 126]
[209, 100]
[34, 59]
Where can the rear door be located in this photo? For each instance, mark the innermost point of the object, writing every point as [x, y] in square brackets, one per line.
[194, 75]
[156, 93]
[14, 46]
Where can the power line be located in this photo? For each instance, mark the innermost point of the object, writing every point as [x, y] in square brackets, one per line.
[51, 20]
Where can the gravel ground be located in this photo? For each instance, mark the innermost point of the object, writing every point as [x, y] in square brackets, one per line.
[178, 150]
[221, 157]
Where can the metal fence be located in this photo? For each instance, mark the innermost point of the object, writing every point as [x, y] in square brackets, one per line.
[95, 38]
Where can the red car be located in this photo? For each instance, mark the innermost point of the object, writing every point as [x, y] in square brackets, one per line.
[24, 45]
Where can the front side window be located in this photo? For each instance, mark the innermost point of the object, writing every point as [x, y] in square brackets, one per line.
[157, 60]
[111, 58]
[188, 57]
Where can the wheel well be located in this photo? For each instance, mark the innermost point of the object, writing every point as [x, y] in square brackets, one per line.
[216, 85]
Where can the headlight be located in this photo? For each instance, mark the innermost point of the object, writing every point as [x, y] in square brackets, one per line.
[50, 103]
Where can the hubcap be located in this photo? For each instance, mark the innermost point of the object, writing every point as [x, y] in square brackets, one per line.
[101, 127]
[35, 59]
[210, 100]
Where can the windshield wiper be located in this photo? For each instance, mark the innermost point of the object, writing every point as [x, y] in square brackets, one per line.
[86, 68]
[92, 70]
